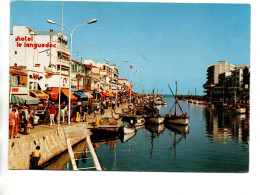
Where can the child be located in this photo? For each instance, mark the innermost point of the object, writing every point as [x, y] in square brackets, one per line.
[36, 155]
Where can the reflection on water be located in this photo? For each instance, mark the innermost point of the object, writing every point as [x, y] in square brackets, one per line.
[214, 141]
[222, 125]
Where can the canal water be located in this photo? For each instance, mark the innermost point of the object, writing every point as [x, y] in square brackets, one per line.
[214, 141]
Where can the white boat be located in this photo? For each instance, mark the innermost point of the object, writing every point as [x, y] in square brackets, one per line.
[139, 122]
[240, 110]
[128, 130]
[155, 120]
[177, 119]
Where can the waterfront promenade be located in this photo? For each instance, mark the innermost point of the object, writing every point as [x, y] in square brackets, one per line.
[51, 143]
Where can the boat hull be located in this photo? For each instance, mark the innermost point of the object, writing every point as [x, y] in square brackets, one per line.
[179, 121]
[128, 130]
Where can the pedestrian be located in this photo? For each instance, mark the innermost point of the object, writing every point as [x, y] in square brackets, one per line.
[16, 121]
[36, 155]
[85, 113]
[11, 123]
[25, 120]
[47, 116]
[52, 114]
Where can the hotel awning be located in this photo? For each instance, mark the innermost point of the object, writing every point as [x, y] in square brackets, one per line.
[80, 94]
[66, 92]
[88, 94]
[54, 93]
[40, 94]
[17, 99]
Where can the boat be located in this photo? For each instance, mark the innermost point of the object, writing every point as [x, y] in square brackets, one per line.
[128, 130]
[107, 124]
[176, 119]
[138, 121]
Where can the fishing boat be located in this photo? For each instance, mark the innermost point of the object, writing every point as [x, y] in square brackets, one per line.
[107, 124]
[176, 119]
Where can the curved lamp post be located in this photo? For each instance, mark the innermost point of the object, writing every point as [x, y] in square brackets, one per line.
[71, 33]
[117, 75]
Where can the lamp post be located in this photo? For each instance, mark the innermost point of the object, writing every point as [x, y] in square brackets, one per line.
[71, 34]
[117, 75]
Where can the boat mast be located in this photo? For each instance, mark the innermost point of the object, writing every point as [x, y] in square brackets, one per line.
[176, 100]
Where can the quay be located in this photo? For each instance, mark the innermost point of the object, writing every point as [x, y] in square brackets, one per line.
[51, 142]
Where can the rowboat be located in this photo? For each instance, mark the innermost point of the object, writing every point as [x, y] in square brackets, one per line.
[128, 130]
[127, 137]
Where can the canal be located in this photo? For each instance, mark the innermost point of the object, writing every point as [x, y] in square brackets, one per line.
[214, 141]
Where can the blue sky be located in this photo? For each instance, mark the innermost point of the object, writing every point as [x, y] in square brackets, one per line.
[165, 42]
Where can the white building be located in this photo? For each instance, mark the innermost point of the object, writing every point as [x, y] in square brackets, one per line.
[41, 54]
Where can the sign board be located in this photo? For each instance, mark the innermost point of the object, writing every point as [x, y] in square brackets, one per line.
[19, 90]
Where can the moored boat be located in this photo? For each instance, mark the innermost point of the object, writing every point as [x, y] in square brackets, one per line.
[176, 119]
[128, 130]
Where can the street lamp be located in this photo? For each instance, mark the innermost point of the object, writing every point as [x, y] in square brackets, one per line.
[71, 34]
[117, 75]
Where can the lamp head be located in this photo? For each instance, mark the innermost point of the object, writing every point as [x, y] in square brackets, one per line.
[92, 21]
[50, 21]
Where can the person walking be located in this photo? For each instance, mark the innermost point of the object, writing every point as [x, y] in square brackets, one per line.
[11, 123]
[52, 114]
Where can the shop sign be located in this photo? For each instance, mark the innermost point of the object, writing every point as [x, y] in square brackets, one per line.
[19, 90]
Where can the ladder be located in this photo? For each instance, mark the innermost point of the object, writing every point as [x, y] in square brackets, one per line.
[76, 132]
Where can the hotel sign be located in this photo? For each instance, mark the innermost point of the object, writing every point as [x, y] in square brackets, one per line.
[19, 90]
[27, 42]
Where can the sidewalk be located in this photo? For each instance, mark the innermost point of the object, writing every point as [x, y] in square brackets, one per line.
[90, 118]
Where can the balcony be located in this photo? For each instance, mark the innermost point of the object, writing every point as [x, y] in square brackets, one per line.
[65, 63]
[63, 49]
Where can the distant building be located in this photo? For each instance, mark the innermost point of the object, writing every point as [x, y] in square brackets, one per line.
[224, 80]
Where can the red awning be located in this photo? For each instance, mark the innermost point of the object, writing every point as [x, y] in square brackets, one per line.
[17, 72]
[54, 93]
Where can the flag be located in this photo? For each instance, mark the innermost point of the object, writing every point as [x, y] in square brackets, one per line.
[131, 66]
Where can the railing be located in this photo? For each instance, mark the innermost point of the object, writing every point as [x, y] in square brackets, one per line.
[63, 49]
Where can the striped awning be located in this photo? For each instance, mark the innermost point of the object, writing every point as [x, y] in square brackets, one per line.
[88, 94]
[80, 94]
[17, 99]
[40, 95]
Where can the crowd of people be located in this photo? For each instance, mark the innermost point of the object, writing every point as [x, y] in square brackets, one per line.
[23, 117]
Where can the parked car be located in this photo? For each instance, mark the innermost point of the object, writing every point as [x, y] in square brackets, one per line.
[40, 111]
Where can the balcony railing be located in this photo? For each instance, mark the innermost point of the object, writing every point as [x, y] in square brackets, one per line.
[64, 49]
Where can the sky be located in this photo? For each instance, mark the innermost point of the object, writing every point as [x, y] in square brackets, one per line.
[165, 42]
